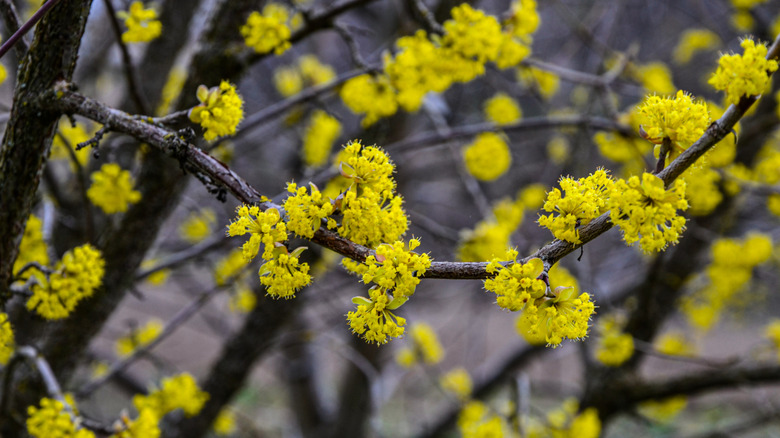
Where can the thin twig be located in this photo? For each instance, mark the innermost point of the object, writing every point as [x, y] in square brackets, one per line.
[352, 46]
[19, 34]
[12, 23]
[181, 257]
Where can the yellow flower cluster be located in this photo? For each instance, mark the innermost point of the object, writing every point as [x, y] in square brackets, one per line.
[771, 332]
[142, 24]
[395, 271]
[702, 191]
[229, 267]
[33, 247]
[457, 382]
[477, 420]
[372, 212]
[742, 19]
[663, 411]
[674, 344]
[581, 201]
[144, 426]
[518, 284]
[501, 109]
[225, 423]
[731, 269]
[627, 151]
[491, 236]
[655, 77]
[373, 319]
[75, 278]
[112, 189]
[647, 212]
[242, 299]
[614, 347]
[309, 71]
[305, 211]
[541, 81]
[488, 157]
[6, 339]
[552, 316]
[323, 130]
[433, 63]
[425, 347]
[372, 95]
[744, 75]
[693, 41]
[198, 225]
[139, 337]
[524, 19]
[220, 110]
[680, 119]
[52, 420]
[282, 274]
[177, 392]
[269, 31]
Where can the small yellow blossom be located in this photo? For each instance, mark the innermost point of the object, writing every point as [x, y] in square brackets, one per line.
[6, 339]
[655, 78]
[177, 392]
[693, 41]
[373, 319]
[373, 96]
[225, 423]
[220, 111]
[518, 284]
[52, 419]
[229, 267]
[425, 346]
[139, 337]
[144, 426]
[488, 157]
[112, 189]
[532, 196]
[269, 31]
[702, 189]
[396, 269]
[558, 149]
[585, 425]
[663, 411]
[142, 24]
[75, 278]
[490, 237]
[501, 109]
[323, 130]
[674, 344]
[198, 225]
[543, 82]
[680, 119]
[32, 248]
[264, 227]
[284, 274]
[614, 347]
[524, 19]
[647, 212]
[744, 75]
[477, 420]
[457, 382]
[581, 201]
[474, 37]
[242, 300]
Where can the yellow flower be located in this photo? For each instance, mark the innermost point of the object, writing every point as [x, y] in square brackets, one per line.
[139, 337]
[52, 419]
[198, 225]
[220, 110]
[264, 227]
[502, 109]
[6, 339]
[425, 347]
[647, 212]
[321, 133]
[663, 411]
[679, 119]
[490, 237]
[373, 96]
[374, 320]
[144, 426]
[674, 344]
[75, 278]
[518, 284]
[65, 141]
[112, 189]
[284, 274]
[269, 31]
[142, 24]
[655, 78]
[692, 41]
[177, 392]
[614, 347]
[32, 248]
[458, 382]
[225, 423]
[544, 82]
[744, 75]
[396, 269]
[242, 299]
[488, 157]
[229, 267]
[476, 420]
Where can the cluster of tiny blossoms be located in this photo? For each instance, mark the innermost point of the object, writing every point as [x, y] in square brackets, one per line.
[614, 347]
[321, 134]
[488, 157]
[269, 31]
[112, 189]
[395, 272]
[426, 63]
[681, 120]
[425, 347]
[74, 278]
[582, 201]
[556, 315]
[142, 24]
[53, 419]
[307, 71]
[220, 110]
[744, 75]
[282, 273]
[6, 339]
[139, 337]
[177, 392]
